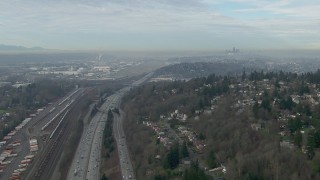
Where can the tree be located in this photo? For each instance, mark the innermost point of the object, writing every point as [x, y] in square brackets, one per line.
[289, 103]
[265, 104]
[252, 176]
[201, 105]
[110, 114]
[310, 145]
[286, 103]
[211, 160]
[202, 136]
[276, 84]
[298, 139]
[195, 173]
[116, 110]
[303, 89]
[316, 166]
[316, 139]
[294, 124]
[104, 177]
[159, 177]
[307, 110]
[184, 150]
[173, 159]
[255, 109]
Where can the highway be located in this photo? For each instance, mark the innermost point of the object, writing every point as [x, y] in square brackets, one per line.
[86, 162]
[125, 161]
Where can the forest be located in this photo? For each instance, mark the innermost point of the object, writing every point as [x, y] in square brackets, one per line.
[265, 125]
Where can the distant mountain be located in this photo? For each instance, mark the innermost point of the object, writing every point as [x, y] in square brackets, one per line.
[4, 47]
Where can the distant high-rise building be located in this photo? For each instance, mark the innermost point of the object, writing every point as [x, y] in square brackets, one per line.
[234, 50]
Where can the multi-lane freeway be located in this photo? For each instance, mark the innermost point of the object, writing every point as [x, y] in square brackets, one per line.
[86, 162]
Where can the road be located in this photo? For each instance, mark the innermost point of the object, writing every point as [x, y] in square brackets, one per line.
[86, 162]
[125, 161]
[83, 151]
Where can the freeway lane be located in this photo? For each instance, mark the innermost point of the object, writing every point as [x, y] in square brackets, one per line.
[81, 158]
[125, 162]
[86, 162]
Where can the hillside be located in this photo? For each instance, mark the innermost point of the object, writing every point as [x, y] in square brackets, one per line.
[254, 126]
[199, 69]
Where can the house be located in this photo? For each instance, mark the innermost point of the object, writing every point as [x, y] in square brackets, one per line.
[185, 117]
[199, 144]
[295, 99]
[186, 162]
[161, 134]
[286, 144]
[256, 126]
[197, 112]
[207, 111]
[164, 141]
[219, 169]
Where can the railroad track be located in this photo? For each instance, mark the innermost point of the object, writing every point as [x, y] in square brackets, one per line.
[55, 149]
[55, 145]
[48, 113]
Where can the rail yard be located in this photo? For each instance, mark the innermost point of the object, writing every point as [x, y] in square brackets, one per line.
[32, 149]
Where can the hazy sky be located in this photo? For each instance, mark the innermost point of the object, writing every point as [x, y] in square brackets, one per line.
[161, 24]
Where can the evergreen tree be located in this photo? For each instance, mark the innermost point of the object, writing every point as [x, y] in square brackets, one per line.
[173, 159]
[211, 160]
[255, 109]
[298, 139]
[316, 139]
[202, 136]
[104, 177]
[184, 150]
[310, 145]
[195, 173]
[294, 124]
[265, 104]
